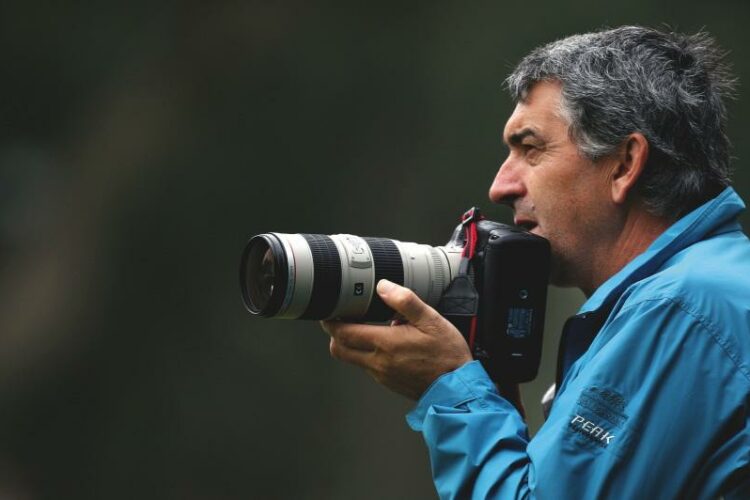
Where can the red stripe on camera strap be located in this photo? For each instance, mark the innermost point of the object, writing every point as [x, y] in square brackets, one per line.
[470, 220]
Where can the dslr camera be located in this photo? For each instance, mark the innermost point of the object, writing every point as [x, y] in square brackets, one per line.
[490, 280]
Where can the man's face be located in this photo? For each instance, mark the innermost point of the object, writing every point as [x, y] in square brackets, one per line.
[554, 191]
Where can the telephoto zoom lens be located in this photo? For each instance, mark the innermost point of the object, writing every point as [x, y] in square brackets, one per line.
[316, 276]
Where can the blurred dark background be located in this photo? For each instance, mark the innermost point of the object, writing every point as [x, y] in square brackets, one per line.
[142, 143]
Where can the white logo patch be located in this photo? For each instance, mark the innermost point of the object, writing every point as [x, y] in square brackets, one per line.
[591, 429]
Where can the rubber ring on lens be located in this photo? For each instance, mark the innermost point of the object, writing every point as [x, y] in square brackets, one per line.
[326, 277]
[388, 265]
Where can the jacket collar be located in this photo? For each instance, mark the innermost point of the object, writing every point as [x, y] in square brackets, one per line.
[716, 215]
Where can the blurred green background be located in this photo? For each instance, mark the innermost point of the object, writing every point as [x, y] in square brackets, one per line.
[142, 143]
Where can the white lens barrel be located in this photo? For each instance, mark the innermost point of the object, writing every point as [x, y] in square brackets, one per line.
[427, 271]
[301, 275]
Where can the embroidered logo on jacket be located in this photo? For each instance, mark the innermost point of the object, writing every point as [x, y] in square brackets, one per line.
[590, 429]
[599, 416]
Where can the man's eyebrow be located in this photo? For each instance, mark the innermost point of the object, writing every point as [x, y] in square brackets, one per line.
[516, 138]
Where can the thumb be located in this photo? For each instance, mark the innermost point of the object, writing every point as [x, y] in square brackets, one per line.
[406, 303]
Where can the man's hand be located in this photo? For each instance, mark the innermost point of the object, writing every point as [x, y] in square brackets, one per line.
[406, 358]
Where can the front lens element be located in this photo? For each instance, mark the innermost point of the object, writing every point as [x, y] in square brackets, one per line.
[263, 275]
[260, 277]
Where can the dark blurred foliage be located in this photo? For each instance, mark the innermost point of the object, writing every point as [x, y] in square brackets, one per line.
[142, 143]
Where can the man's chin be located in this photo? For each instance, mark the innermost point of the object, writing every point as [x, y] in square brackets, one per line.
[558, 275]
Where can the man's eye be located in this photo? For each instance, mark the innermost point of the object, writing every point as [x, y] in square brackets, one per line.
[531, 152]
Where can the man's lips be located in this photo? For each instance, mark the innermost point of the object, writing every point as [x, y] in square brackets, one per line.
[527, 224]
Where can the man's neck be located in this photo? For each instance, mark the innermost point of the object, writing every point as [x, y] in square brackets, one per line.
[638, 230]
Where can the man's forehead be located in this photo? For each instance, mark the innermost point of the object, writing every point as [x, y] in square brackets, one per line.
[522, 123]
[539, 112]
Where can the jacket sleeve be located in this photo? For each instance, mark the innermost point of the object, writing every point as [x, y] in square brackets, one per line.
[476, 439]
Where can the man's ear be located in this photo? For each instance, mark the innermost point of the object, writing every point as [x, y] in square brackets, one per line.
[630, 162]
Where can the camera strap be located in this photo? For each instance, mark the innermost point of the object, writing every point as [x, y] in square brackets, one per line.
[469, 222]
[460, 302]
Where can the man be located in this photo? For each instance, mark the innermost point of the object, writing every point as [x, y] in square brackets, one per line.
[618, 157]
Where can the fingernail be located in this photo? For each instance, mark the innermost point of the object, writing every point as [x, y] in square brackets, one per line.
[385, 286]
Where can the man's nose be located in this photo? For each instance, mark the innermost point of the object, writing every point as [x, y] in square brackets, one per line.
[508, 184]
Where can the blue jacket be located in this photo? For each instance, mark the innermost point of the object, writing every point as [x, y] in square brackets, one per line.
[656, 406]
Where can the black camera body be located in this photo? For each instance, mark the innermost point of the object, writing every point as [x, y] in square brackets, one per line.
[509, 273]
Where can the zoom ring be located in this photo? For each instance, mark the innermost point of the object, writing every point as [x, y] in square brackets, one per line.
[326, 276]
[388, 265]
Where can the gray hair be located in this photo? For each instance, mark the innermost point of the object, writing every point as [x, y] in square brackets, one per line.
[668, 86]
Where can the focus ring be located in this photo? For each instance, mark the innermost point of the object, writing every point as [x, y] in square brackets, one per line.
[438, 283]
[326, 276]
[388, 265]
